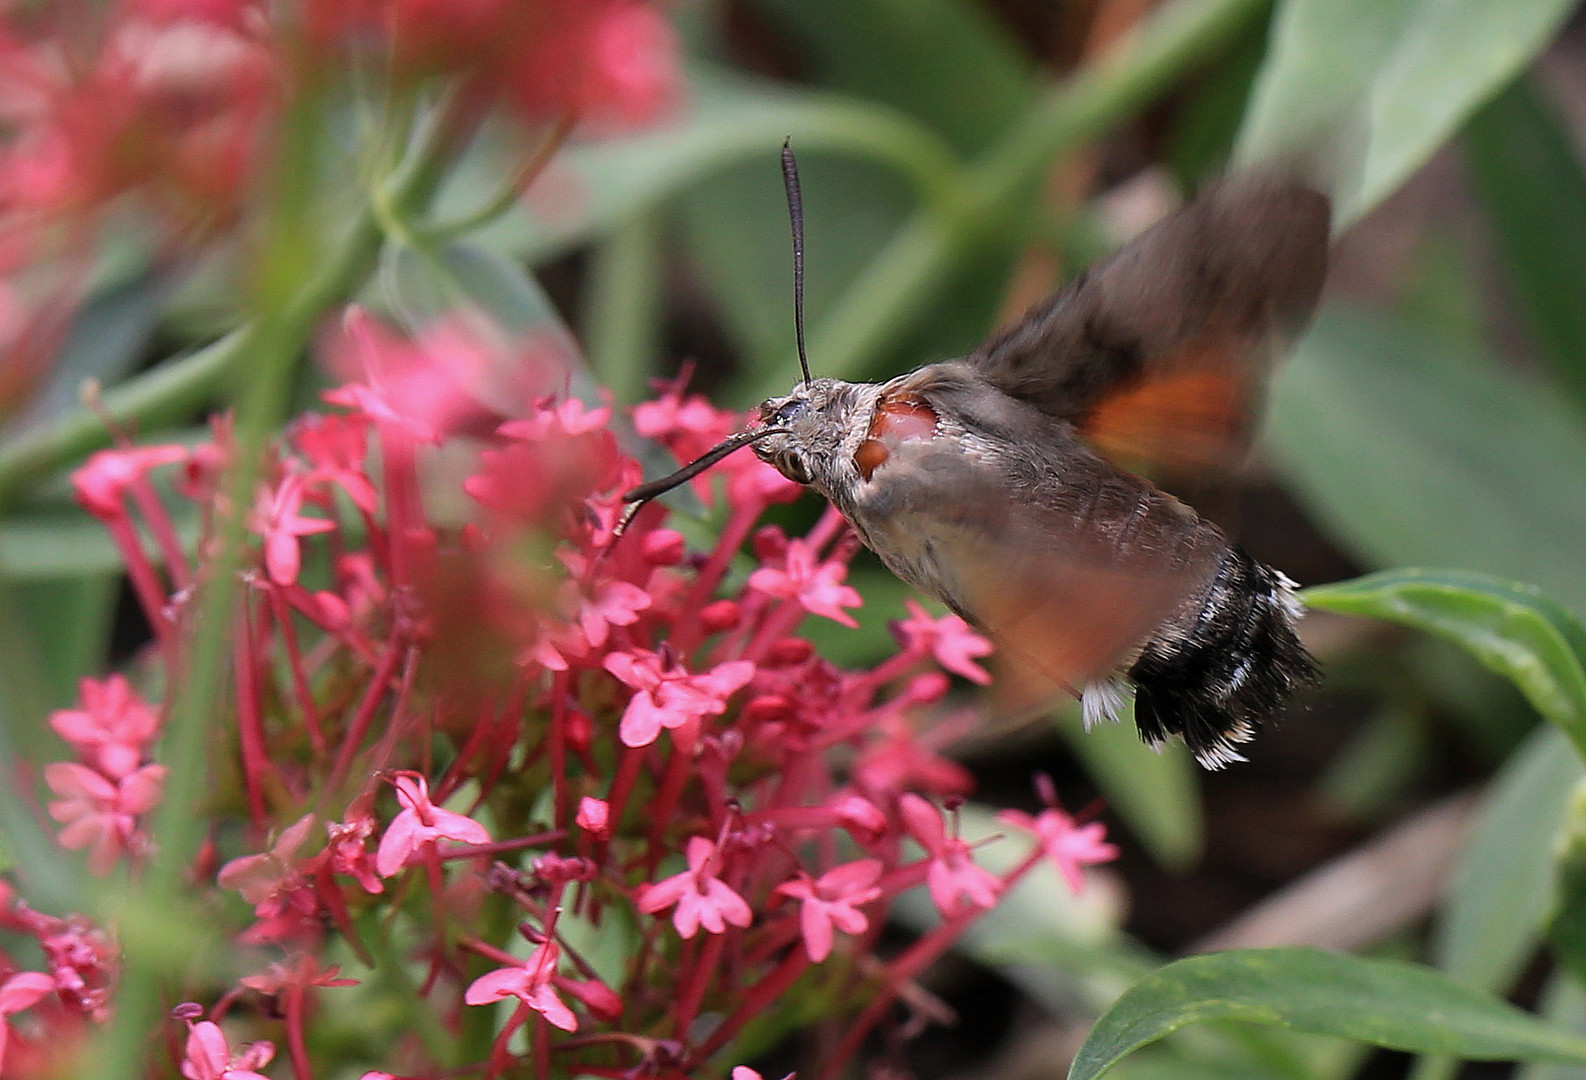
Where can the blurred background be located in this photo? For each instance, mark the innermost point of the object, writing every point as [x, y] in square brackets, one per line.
[961, 159]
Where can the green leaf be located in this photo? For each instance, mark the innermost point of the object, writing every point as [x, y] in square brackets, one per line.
[1413, 450]
[1377, 85]
[1510, 627]
[1502, 885]
[946, 63]
[730, 120]
[1383, 1002]
[1538, 217]
[1566, 930]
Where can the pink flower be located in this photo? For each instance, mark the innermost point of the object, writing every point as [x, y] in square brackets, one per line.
[957, 885]
[667, 696]
[278, 518]
[261, 878]
[347, 849]
[99, 813]
[818, 588]
[424, 388]
[18, 993]
[702, 899]
[948, 638]
[530, 983]
[1068, 845]
[610, 63]
[102, 482]
[113, 728]
[833, 901]
[335, 446]
[611, 603]
[209, 1058]
[302, 972]
[420, 825]
[743, 1072]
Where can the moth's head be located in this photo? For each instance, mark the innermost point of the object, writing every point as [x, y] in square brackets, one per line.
[816, 419]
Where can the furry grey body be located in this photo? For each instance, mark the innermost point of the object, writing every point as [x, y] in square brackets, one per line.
[1090, 574]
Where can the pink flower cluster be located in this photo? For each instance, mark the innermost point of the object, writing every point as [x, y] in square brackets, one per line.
[466, 748]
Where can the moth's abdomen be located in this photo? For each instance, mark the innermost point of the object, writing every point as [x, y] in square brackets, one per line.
[1215, 672]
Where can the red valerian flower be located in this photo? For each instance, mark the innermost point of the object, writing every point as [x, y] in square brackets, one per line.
[420, 824]
[278, 519]
[101, 484]
[530, 983]
[956, 884]
[949, 639]
[20, 992]
[817, 586]
[208, 1056]
[260, 878]
[833, 901]
[702, 898]
[113, 728]
[1070, 846]
[100, 813]
[667, 696]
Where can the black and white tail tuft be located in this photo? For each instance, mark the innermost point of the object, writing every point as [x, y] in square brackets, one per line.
[1215, 673]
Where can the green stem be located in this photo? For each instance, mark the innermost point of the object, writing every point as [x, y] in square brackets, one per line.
[908, 273]
[153, 934]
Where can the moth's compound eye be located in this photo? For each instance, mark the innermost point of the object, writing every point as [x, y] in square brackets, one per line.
[790, 411]
[792, 468]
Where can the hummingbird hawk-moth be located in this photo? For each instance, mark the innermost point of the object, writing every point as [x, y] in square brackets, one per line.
[993, 482]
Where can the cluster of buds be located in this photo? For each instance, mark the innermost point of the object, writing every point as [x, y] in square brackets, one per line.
[473, 749]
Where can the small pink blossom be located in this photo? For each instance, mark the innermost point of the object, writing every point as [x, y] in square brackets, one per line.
[667, 696]
[420, 825]
[18, 993]
[261, 878]
[608, 604]
[832, 901]
[102, 482]
[100, 813]
[702, 899]
[743, 1072]
[112, 729]
[208, 1056]
[302, 972]
[1070, 846]
[529, 982]
[956, 884]
[348, 845]
[818, 587]
[278, 518]
[949, 638]
[425, 388]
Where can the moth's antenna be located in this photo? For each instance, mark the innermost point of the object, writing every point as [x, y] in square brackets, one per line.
[795, 209]
[645, 493]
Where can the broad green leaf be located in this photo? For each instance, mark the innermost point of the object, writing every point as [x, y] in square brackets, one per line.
[1502, 886]
[593, 187]
[946, 63]
[1511, 628]
[1563, 1005]
[1377, 85]
[1528, 174]
[1413, 450]
[1566, 930]
[1383, 1002]
[1154, 790]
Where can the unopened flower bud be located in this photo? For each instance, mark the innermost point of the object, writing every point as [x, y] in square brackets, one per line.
[719, 616]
